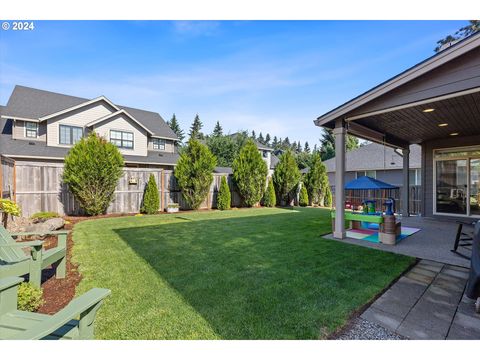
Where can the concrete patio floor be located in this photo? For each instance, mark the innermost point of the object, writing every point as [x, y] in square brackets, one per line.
[428, 303]
[433, 242]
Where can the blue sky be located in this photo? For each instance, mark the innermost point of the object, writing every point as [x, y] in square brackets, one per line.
[271, 76]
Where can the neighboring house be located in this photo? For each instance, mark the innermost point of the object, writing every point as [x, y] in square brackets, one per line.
[379, 162]
[38, 125]
[267, 154]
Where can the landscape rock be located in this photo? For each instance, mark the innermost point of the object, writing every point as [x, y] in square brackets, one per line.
[46, 226]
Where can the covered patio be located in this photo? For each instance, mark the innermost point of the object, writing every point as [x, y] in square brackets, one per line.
[435, 104]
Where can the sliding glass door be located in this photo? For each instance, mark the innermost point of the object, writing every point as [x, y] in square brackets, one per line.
[457, 187]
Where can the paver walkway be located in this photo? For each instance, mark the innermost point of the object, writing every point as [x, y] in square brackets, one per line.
[428, 303]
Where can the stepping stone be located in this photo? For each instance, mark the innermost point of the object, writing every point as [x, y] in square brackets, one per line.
[379, 317]
[459, 333]
[416, 332]
[423, 271]
[438, 295]
[393, 304]
[468, 323]
[406, 292]
[455, 273]
[458, 268]
[433, 268]
[467, 306]
[420, 277]
[436, 317]
[433, 264]
[449, 282]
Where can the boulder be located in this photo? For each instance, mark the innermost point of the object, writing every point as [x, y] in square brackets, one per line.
[46, 226]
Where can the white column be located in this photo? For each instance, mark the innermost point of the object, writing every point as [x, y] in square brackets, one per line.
[406, 183]
[339, 133]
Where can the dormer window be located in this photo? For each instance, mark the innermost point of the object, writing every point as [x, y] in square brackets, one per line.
[158, 144]
[122, 139]
[31, 129]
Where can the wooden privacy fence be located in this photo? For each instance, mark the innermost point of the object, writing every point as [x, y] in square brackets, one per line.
[7, 178]
[40, 188]
[356, 197]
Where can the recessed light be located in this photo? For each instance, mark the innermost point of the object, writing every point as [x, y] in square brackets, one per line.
[428, 110]
[443, 124]
[453, 134]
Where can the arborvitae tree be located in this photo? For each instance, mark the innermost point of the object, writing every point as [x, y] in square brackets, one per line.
[250, 173]
[92, 169]
[195, 129]
[224, 197]
[194, 172]
[269, 199]
[328, 197]
[286, 176]
[254, 136]
[260, 138]
[217, 130]
[303, 200]
[175, 126]
[306, 148]
[151, 200]
[267, 139]
[316, 180]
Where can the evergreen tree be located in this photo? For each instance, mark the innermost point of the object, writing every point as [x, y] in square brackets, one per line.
[299, 147]
[275, 142]
[328, 144]
[217, 130]
[175, 126]
[286, 176]
[250, 173]
[316, 180]
[269, 199]
[195, 129]
[267, 139]
[151, 200]
[223, 197]
[328, 197]
[194, 172]
[306, 148]
[225, 149]
[254, 136]
[260, 138]
[472, 27]
[303, 199]
[286, 142]
[315, 149]
[294, 147]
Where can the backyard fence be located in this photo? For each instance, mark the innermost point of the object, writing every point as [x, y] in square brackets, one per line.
[7, 178]
[356, 197]
[39, 187]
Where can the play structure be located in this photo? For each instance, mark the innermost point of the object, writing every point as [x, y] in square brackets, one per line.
[379, 226]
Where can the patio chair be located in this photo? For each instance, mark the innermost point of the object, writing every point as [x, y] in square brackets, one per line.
[75, 321]
[15, 262]
[463, 239]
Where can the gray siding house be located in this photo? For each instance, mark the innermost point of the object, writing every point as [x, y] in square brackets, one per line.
[380, 162]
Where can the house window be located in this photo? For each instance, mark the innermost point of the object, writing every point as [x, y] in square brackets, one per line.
[122, 139]
[31, 129]
[370, 173]
[158, 144]
[265, 154]
[69, 135]
[415, 177]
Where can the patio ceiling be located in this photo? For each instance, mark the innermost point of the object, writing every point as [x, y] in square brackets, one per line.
[413, 125]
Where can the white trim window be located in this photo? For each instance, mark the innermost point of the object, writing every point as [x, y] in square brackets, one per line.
[158, 144]
[70, 135]
[31, 129]
[370, 173]
[415, 177]
[122, 139]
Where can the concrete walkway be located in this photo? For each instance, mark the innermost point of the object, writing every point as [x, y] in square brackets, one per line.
[427, 303]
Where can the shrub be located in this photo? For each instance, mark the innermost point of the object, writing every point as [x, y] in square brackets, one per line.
[303, 201]
[93, 167]
[194, 172]
[286, 176]
[44, 215]
[29, 297]
[328, 197]
[224, 197]
[316, 180]
[250, 173]
[151, 200]
[8, 207]
[270, 199]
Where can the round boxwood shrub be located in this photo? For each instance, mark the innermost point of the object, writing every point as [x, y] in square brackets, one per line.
[224, 197]
[303, 201]
[270, 200]
[151, 200]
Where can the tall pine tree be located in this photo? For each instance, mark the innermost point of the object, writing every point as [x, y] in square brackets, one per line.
[267, 139]
[306, 148]
[195, 129]
[217, 130]
[254, 136]
[175, 126]
[260, 138]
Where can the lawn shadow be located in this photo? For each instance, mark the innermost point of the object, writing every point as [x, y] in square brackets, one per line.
[263, 277]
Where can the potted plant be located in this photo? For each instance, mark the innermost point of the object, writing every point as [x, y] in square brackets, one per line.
[172, 208]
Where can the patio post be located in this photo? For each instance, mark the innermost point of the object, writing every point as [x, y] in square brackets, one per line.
[406, 183]
[339, 133]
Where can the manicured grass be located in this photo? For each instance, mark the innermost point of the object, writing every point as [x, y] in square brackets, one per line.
[240, 274]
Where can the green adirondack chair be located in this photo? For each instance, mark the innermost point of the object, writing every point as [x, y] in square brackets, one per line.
[74, 322]
[14, 261]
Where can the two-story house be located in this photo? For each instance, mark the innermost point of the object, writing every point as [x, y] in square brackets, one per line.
[38, 125]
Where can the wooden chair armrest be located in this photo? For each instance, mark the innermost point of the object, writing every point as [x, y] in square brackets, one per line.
[74, 309]
[32, 243]
[56, 232]
[9, 282]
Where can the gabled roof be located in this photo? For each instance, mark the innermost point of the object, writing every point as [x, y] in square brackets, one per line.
[112, 115]
[30, 103]
[371, 157]
[408, 75]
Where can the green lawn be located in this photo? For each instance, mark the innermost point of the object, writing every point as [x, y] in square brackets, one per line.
[240, 274]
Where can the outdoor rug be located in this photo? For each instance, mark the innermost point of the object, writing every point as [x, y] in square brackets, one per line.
[372, 235]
